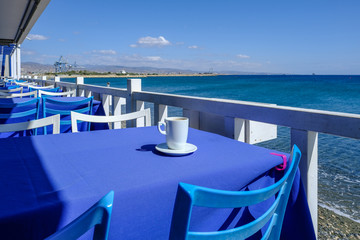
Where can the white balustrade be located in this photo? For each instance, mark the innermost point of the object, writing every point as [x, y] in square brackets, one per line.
[244, 121]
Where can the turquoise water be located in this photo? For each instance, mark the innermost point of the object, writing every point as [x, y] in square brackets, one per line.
[339, 158]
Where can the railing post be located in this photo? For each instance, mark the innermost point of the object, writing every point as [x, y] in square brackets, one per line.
[116, 109]
[194, 118]
[105, 99]
[133, 85]
[160, 113]
[307, 142]
[79, 81]
[56, 80]
[43, 81]
[239, 129]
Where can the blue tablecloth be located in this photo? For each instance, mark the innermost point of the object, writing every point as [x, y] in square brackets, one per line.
[47, 181]
[97, 110]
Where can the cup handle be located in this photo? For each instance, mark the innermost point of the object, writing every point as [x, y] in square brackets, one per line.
[159, 127]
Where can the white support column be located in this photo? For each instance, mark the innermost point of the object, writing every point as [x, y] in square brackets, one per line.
[18, 61]
[307, 142]
[79, 81]
[12, 66]
[7, 66]
[133, 85]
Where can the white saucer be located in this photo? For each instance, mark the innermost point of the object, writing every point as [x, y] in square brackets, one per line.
[189, 148]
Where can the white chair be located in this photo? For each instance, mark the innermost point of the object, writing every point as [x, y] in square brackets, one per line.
[109, 119]
[12, 90]
[68, 94]
[24, 84]
[14, 95]
[33, 124]
[45, 87]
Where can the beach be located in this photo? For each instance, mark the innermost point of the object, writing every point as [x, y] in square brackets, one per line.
[334, 226]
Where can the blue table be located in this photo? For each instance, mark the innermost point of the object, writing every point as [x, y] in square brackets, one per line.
[47, 181]
[97, 110]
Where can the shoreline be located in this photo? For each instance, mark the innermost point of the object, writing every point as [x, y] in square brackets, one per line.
[137, 75]
[334, 226]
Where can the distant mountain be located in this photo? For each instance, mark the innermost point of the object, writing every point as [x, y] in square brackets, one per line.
[118, 69]
[32, 67]
[36, 68]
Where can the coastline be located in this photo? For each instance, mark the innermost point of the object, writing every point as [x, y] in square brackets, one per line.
[137, 75]
[334, 226]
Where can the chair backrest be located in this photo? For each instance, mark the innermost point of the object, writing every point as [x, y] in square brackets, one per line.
[63, 107]
[11, 90]
[109, 119]
[14, 114]
[68, 94]
[44, 90]
[44, 87]
[18, 95]
[191, 195]
[24, 83]
[33, 124]
[98, 215]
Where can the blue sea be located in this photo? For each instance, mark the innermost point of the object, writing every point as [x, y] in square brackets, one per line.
[339, 158]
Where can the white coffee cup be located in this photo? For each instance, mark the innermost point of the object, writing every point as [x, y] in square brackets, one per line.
[176, 131]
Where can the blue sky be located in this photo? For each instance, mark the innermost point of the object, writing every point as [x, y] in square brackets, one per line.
[300, 37]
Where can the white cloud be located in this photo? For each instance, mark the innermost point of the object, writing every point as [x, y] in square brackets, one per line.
[25, 52]
[242, 56]
[105, 52]
[154, 58]
[37, 37]
[193, 47]
[151, 42]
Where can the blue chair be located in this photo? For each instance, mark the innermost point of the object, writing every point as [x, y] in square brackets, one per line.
[19, 110]
[52, 106]
[191, 195]
[57, 89]
[98, 215]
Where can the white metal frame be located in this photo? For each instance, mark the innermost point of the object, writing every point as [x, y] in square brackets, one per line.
[109, 119]
[22, 126]
[12, 90]
[14, 95]
[68, 94]
[45, 87]
[25, 84]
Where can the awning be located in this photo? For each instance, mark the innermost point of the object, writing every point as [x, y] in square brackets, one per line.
[17, 17]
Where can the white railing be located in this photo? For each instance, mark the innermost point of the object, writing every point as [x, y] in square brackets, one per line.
[231, 118]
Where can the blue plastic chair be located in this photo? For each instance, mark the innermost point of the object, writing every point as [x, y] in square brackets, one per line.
[57, 89]
[191, 195]
[59, 107]
[12, 110]
[98, 215]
